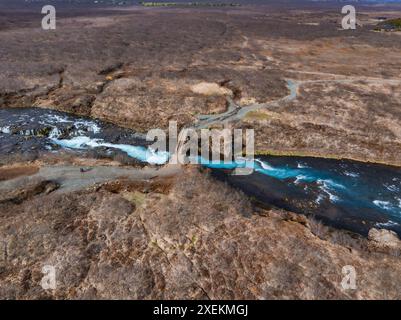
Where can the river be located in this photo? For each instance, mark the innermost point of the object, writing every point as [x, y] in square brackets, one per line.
[346, 194]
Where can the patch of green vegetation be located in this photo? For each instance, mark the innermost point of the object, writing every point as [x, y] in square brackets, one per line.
[389, 25]
[190, 245]
[43, 132]
[396, 23]
[137, 198]
[188, 4]
[256, 115]
[194, 239]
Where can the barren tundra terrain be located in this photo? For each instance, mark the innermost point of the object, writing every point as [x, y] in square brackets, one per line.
[118, 230]
[143, 67]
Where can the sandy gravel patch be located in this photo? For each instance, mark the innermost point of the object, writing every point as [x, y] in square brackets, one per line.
[210, 89]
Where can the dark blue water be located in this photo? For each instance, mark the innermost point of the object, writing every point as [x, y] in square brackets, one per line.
[346, 194]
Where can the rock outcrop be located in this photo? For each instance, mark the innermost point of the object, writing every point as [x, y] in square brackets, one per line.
[384, 238]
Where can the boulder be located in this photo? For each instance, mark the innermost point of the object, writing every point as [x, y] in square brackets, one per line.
[383, 237]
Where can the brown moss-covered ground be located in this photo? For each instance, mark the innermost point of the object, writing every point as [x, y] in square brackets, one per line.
[165, 239]
[352, 120]
[193, 237]
[138, 67]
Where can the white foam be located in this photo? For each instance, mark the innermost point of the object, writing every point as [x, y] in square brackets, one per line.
[137, 152]
[160, 157]
[265, 166]
[319, 198]
[389, 223]
[300, 178]
[386, 205]
[326, 186]
[333, 184]
[392, 187]
[57, 119]
[91, 126]
[55, 133]
[333, 197]
[351, 174]
[74, 143]
[5, 129]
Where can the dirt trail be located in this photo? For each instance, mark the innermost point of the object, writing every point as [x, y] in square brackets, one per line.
[236, 112]
[72, 178]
